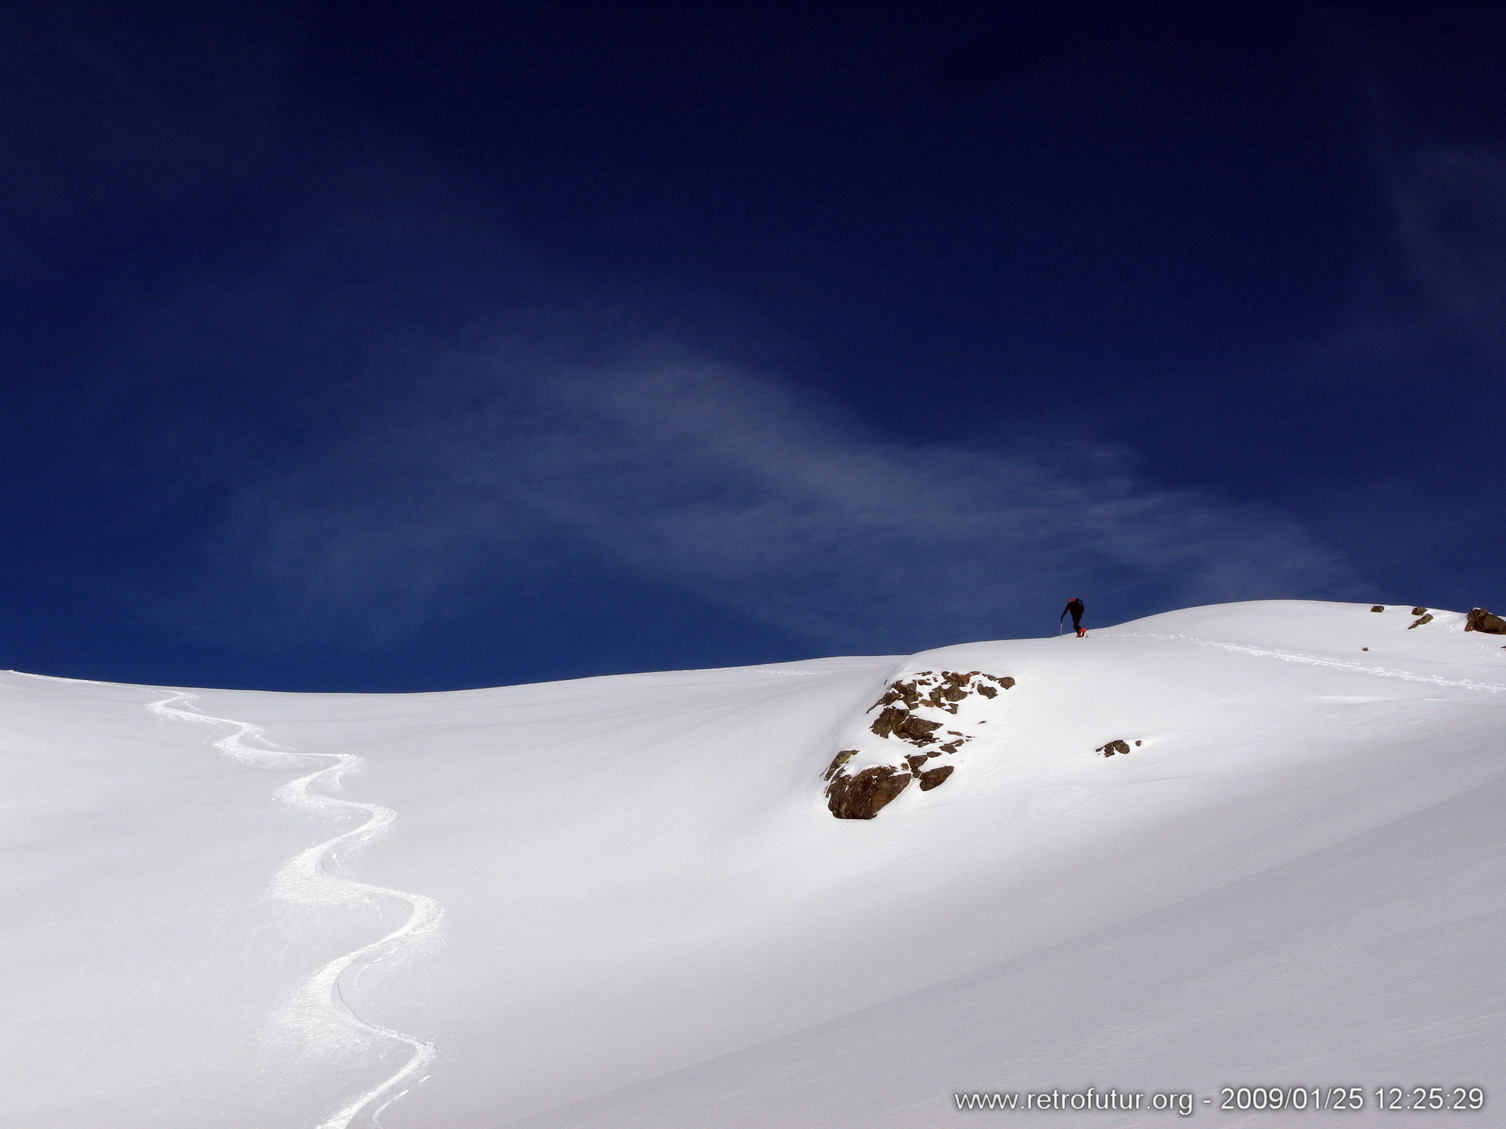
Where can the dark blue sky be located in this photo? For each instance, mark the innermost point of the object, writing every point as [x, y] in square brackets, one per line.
[387, 346]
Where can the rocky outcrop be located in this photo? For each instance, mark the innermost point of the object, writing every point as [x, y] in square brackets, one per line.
[1481, 620]
[1378, 608]
[914, 711]
[1424, 618]
[1117, 746]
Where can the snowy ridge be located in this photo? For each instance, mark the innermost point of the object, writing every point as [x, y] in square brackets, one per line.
[318, 1009]
[652, 920]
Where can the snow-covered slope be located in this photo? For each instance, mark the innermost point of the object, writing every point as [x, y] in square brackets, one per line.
[623, 901]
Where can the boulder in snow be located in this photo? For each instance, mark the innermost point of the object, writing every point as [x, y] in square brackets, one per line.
[861, 796]
[1481, 620]
[935, 776]
[896, 721]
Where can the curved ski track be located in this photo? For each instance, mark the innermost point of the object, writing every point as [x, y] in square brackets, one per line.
[1315, 660]
[318, 1008]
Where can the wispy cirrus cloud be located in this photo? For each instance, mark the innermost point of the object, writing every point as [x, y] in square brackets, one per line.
[740, 487]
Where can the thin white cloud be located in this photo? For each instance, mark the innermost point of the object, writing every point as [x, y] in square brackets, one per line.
[743, 489]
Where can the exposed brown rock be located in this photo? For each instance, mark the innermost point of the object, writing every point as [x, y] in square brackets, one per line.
[1419, 611]
[863, 796]
[989, 692]
[895, 722]
[935, 776]
[1481, 620]
[837, 762]
[1420, 622]
[906, 692]
[884, 724]
[917, 730]
[1377, 608]
[943, 690]
[1113, 747]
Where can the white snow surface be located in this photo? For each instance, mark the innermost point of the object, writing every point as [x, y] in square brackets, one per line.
[622, 902]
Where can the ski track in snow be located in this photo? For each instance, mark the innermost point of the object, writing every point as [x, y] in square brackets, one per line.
[1315, 660]
[318, 1008]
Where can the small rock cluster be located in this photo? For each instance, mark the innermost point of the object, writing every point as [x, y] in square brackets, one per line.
[1426, 616]
[860, 795]
[1477, 620]
[1116, 746]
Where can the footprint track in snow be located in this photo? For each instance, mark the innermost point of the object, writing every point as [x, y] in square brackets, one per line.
[318, 1008]
[1318, 660]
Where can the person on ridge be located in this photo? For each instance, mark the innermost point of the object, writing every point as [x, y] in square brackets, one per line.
[1074, 605]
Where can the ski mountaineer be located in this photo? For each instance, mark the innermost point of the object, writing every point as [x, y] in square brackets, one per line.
[1074, 605]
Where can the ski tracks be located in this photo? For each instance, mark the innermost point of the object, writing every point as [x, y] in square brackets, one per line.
[1315, 660]
[318, 1009]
